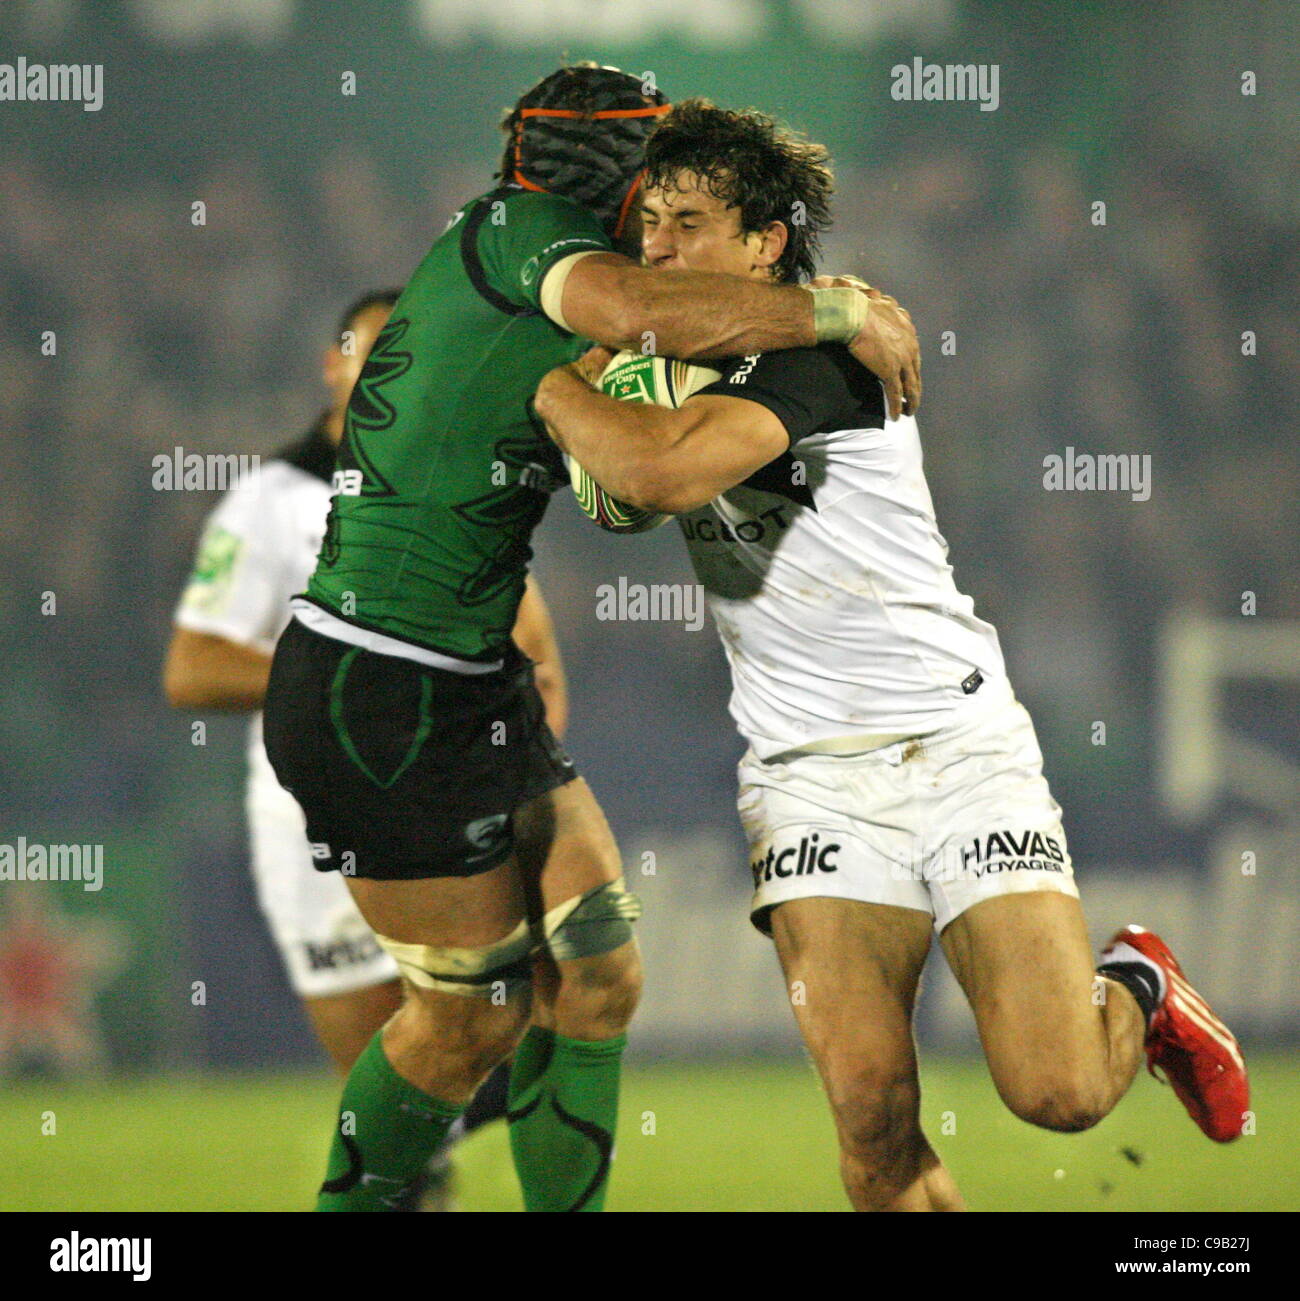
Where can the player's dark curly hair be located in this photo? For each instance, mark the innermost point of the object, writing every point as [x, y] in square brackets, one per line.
[749, 162]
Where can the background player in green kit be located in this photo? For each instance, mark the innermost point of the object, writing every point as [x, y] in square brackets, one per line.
[399, 712]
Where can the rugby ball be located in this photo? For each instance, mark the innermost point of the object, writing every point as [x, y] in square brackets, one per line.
[633, 377]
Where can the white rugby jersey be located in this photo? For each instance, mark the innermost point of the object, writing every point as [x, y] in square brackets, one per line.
[257, 551]
[826, 573]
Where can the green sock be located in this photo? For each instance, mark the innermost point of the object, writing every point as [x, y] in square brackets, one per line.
[387, 1131]
[563, 1111]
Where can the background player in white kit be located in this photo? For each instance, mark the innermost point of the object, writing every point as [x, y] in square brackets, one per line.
[893, 784]
[257, 550]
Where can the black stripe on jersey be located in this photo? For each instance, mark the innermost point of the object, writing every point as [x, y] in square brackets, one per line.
[872, 412]
[668, 382]
[470, 258]
[819, 390]
[777, 477]
[313, 453]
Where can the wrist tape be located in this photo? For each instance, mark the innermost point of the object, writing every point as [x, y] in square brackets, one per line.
[839, 314]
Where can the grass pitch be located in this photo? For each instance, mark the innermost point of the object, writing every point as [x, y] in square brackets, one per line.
[728, 1136]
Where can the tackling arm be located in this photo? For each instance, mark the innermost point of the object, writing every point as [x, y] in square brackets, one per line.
[655, 457]
[697, 314]
[700, 314]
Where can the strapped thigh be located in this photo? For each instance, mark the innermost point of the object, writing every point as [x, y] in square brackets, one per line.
[598, 921]
[467, 971]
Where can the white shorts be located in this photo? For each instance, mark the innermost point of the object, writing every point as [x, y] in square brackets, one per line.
[937, 824]
[325, 943]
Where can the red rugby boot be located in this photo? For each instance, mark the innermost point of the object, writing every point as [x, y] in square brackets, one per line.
[1195, 1050]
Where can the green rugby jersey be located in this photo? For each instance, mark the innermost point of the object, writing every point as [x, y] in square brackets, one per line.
[444, 469]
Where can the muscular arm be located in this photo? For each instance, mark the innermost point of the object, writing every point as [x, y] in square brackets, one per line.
[204, 671]
[702, 315]
[535, 636]
[691, 314]
[654, 457]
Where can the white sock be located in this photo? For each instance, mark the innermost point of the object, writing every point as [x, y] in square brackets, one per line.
[1124, 952]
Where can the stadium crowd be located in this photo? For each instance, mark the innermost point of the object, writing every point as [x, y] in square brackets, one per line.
[1041, 330]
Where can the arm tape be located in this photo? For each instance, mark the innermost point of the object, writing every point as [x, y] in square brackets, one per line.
[552, 291]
